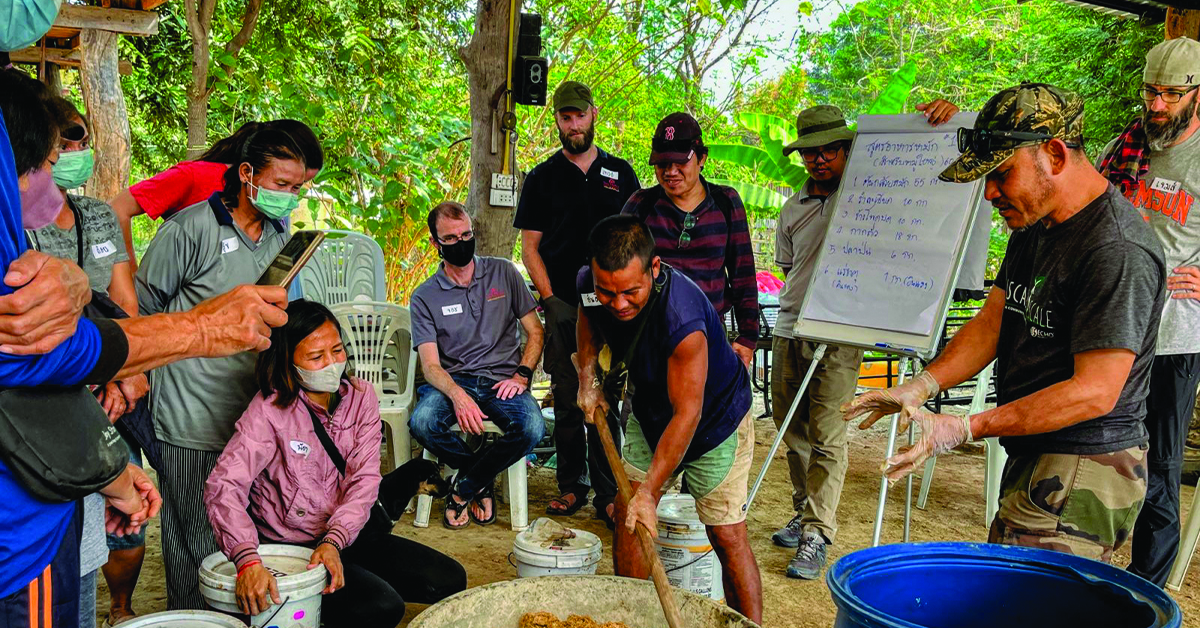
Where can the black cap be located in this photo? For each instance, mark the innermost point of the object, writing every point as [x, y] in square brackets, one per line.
[675, 139]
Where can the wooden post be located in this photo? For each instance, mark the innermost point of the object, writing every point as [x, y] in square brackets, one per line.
[1183, 23]
[53, 79]
[99, 74]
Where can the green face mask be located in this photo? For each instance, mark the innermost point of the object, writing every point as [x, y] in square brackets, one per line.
[73, 169]
[272, 203]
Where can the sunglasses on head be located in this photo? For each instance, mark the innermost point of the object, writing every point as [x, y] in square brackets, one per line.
[988, 141]
[74, 133]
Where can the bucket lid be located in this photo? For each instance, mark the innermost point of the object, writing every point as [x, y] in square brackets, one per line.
[679, 509]
[185, 619]
[546, 541]
[288, 563]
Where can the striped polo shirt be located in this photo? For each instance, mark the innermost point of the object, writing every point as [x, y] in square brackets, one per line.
[718, 258]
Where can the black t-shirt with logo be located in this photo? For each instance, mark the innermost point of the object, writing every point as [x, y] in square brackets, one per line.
[563, 203]
[1095, 281]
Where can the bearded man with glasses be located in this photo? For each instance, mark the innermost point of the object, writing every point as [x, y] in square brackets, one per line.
[816, 438]
[1156, 163]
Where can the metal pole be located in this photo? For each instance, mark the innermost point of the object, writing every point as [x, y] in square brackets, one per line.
[883, 483]
[762, 473]
[908, 501]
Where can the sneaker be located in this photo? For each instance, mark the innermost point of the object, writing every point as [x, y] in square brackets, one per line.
[810, 557]
[789, 535]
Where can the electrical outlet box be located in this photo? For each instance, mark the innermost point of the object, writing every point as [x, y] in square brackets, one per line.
[504, 190]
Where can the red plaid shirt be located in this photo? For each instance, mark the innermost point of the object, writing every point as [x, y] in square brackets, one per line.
[1129, 159]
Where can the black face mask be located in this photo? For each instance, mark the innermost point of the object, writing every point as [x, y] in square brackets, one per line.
[458, 254]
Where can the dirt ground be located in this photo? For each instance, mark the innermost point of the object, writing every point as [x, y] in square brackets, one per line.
[955, 513]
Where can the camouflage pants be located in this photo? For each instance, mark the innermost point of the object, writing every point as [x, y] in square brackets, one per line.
[1081, 505]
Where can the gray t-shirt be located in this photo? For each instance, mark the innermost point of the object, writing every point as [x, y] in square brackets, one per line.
[93, 543]
[1093, 282]
[1165, 198]
[198, 254]
[803, 222]
[103, 242]
[476, 327]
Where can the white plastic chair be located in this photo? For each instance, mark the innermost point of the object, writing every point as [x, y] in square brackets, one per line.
[348, 266]
[379, 335]
[515, 490]
[995, 455]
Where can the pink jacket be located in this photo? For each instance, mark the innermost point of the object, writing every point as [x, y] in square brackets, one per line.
[275, 480]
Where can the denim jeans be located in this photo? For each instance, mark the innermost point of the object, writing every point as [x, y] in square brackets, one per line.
[519, 417]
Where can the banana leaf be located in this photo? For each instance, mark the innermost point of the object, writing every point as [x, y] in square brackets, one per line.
[755, 197]
[891, 100]
[749, 156]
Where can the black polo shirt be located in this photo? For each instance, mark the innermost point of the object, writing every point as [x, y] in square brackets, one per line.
[563, 203]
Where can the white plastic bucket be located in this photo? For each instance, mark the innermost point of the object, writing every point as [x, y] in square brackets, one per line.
[184, 619]
[684, 549]
[548, 548]
[299, 587]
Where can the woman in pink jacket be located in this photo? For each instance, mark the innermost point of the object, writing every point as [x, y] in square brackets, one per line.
[275, 483]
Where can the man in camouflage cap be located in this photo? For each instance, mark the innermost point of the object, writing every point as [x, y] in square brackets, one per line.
[1071, 322]
[1155, 162]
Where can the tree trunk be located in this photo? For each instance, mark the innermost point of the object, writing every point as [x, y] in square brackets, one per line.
[101, 79]
[486, 59]
[1183, 23]
[197, 96]
[53, 79]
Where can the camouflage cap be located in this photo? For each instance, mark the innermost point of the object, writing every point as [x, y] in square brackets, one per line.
[1029, 108]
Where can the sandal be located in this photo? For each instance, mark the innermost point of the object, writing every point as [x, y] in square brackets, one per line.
[570, 507]
[603, 514]
[487, 492]
[456, 508]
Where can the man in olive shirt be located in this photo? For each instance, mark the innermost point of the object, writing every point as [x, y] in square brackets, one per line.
[563, 198]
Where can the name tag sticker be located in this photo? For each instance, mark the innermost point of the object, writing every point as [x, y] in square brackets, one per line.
[612, 174]
[589, 299]
[301, 447]
[451, 310]
[103, 250]
[1165, 185]
[229, 245]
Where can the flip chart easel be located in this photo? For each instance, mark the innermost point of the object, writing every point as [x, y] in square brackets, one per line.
[891, 255]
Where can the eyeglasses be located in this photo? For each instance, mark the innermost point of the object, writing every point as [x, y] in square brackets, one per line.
[826, 153]
[455, 239]
[1170, 96]
[987, 141]
[685, 238]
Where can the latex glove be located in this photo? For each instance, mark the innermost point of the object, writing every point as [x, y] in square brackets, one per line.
[880, 403]
[939, 434]
[252, 588]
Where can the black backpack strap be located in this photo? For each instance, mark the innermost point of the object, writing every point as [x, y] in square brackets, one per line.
[326, 441]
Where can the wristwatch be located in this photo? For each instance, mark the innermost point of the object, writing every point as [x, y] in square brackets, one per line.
[525, 371]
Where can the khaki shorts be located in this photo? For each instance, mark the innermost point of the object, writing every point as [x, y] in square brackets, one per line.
[719, 480]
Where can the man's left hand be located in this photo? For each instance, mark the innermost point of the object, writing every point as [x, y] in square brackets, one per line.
[328, 555]
[45, 309]
[642, 509]
[938, 111]
[939, 433]
[511, 387]
[744, 353]
[134, 388]
[113, 401]
[1185, 284]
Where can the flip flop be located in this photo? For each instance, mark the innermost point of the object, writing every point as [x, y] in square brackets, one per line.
[487, 492]
[580, 502]
[602, 514]
[456, 508]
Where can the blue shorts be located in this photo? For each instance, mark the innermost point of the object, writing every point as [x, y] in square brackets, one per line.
[52, 598]
[131, 541]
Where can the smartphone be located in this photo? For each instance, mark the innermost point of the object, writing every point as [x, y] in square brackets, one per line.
[294, 255]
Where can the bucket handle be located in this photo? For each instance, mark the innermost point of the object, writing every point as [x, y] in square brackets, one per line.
[510, 561]
[281, 605]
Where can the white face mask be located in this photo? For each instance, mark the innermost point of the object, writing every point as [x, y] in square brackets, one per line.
[322, 380]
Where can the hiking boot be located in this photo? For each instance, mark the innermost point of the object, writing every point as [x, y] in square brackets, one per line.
[810, 557]
[789, 535]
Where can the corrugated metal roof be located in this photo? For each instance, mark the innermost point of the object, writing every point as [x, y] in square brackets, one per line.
[1151, 10]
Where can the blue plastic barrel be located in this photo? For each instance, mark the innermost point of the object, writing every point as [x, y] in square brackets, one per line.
[975, 585]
